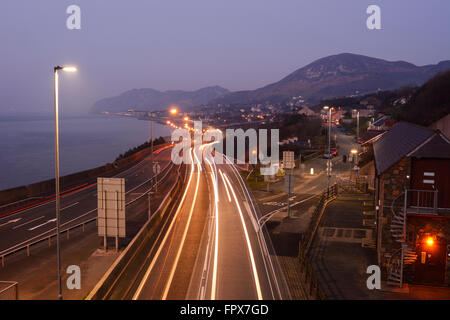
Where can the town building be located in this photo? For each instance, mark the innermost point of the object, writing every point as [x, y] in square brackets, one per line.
[411, 166]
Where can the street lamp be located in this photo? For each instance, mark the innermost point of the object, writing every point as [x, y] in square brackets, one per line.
[173, 111]
[327, 108]
[57, 199]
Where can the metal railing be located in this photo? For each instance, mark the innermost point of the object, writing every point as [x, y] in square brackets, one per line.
[422, 201]
[312, 288]
[9, 290]
[327, 196]
[48, 235]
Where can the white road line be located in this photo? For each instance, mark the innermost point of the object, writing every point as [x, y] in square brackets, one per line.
[247, 238]
[38, 226]
[10, 221]
[69, 206]
[24, 224]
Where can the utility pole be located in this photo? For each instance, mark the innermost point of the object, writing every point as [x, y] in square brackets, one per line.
[151, 165]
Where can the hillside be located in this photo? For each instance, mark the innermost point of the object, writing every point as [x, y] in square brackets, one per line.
[340, 75]
[150, 99]
[428, 103]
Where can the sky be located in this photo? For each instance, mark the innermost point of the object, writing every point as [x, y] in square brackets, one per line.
[190, 44]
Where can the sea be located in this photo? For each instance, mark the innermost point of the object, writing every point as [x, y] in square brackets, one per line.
[27, 146]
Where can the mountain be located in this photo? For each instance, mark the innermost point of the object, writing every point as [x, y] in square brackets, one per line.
[428, 103]
[150, 99]
[339, 75]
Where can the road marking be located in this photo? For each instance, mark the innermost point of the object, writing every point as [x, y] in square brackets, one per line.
[38, 226]
[69, 206]
[226, 187]
[10, 221]
[23, 224]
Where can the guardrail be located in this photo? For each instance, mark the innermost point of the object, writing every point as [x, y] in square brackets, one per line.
[48, 235]
[9, 290]
[117, 282]
[326, 197]
[313, 289]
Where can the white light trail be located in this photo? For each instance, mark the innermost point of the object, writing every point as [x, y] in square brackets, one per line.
[155, 258]
[249, 246]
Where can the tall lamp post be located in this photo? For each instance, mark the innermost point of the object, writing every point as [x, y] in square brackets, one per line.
[327, 108]
[57, 199]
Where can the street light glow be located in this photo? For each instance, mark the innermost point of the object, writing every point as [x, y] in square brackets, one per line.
[69, 69]
[173, 111]
[354, 151]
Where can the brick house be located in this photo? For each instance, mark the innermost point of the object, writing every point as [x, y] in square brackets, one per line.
[412, 197]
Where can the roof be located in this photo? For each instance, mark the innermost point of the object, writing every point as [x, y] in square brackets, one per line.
[368, 137]
[395, 144]
[438, 146]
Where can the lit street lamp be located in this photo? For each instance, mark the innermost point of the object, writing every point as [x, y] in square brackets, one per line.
[327, 108]
[57, 199]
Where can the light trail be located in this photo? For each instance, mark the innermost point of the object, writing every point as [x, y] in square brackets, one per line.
[158, 252]
[183, 239]
[226, 187]
[249, 246]
[216, 233]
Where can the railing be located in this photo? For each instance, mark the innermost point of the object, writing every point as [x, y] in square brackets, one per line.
[327, 196]
[422, 201]
[50, 234]
[9, 290]
[313, 289]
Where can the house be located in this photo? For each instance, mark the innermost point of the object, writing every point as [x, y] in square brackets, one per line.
[308, 112]
[442, 125]
[382, 123]
[412, 197]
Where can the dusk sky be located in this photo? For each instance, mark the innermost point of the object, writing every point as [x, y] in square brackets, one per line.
[186, 45]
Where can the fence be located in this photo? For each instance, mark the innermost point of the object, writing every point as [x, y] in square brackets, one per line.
[325, 198]
[313, 287]
[9, 290]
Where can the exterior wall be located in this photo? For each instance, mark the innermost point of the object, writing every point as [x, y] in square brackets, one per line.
[443, 125]
[395, 180]
[392, 184]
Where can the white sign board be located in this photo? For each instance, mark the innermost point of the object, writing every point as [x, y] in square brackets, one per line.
[111, 207]
[288, 159]
[156, 168]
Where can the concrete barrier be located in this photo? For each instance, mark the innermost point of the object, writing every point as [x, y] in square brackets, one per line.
[148, 234]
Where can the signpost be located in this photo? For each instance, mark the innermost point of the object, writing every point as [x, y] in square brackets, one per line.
[111, 209]
[156, 171]
[289, 165]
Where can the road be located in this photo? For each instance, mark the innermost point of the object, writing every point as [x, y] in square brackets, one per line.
[212, 248]
[76, 205]
[306, 185]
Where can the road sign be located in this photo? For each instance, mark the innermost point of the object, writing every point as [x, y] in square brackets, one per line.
[288, 159]
[111, 208]
[156, 168]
